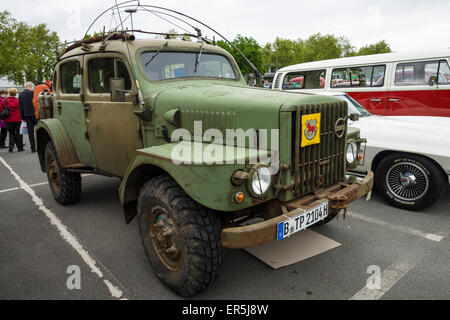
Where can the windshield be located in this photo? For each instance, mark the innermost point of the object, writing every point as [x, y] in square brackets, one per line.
[353, 106]
[170, 65]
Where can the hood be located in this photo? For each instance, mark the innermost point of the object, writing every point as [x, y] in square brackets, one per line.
[425, 135]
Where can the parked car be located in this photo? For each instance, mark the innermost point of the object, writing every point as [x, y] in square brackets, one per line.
[409, 155]
[389, 84]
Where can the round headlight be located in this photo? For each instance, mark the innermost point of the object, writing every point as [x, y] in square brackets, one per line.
[352, 150]
[261, 180]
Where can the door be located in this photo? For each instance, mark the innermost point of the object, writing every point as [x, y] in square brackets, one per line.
[112, 127]
[69, 107]
[365, 84]
[421, 88]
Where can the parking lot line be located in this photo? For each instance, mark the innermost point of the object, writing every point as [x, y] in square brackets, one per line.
[8, 190]
[389, 277]
[412, 231]
[65, 233]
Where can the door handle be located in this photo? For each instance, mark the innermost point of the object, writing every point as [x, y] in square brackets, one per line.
[375, 100]
[394, 100]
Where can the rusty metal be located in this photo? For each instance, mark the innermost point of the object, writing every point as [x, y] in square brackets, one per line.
[338, 198]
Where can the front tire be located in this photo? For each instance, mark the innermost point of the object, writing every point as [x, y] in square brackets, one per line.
[64, 185]
[181, 238]
[409, 181]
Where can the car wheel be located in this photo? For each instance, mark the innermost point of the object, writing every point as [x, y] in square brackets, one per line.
[181, 238]
[65, 186]
[409, 181]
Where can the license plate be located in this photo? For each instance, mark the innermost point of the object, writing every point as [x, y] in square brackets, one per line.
[302, 221]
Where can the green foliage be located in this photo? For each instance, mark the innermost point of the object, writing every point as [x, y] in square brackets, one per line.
[250, 48]
[27, 53]
[379, 47]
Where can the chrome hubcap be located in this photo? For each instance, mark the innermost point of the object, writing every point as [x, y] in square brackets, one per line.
[407, 181]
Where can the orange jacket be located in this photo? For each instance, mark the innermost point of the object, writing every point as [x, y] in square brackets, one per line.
[39, 88]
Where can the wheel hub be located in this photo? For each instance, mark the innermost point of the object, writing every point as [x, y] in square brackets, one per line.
[53, 174]
[407, 181]
[165, 239]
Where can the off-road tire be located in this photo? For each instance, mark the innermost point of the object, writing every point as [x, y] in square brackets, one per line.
[426, 170]
[68, 189]
[198, 236]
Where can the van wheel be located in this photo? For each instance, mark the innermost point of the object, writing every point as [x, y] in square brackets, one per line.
[181, 238]
[65, 186]
[409, 181]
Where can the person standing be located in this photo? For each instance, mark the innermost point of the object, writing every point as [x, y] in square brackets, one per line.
[44, 87]
[27, 111]
[13, 121]
[3, 129]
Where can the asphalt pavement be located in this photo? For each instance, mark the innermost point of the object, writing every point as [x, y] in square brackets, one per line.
[41, 241]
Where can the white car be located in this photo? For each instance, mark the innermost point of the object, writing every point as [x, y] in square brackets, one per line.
[409, 155]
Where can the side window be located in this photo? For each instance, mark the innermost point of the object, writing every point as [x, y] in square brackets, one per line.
[444, 72]
[364, 76]
[420, 73]
[314, 79]
[70, 79]
[102, 69]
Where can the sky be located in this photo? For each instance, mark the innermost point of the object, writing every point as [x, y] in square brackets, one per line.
[405, 24]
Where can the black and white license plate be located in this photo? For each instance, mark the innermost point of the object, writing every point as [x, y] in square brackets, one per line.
[302, 221]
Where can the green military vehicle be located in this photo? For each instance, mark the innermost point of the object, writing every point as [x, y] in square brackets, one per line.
[141, 110]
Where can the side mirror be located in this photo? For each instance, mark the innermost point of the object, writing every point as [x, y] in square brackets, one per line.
[117, 89]
[432, 81]
[354, 117]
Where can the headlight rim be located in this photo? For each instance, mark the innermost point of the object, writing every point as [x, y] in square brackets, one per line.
[354, 152]
[250, 180]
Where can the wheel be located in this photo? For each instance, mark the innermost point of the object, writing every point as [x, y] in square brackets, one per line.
[65, 186]
[408, 181]
[181, 238]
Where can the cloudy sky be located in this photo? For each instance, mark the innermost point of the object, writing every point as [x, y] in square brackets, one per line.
[404, 24]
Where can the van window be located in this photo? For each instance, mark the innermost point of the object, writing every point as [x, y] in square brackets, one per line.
[314, 79]
[70, 79]
[102, 69]
[420, 73]
[364, 76]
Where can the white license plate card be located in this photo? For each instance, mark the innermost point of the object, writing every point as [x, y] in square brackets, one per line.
[302, 221]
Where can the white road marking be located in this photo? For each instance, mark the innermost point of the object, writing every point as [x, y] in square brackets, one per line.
[389, 277]
[38, 184]
[8, 190]
[64, 232]
[412, 231]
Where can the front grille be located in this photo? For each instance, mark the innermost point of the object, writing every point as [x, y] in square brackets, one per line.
[320, 165]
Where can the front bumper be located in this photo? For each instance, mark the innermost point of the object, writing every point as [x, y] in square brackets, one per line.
[338, 196]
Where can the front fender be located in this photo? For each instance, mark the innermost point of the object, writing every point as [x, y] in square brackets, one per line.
[53, 130]
[209, 185]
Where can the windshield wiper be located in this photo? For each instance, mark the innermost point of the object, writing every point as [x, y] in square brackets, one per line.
[157, 52]
[197, 57]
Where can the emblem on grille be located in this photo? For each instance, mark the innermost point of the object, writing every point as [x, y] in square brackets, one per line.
[339, 127]
[311, 129]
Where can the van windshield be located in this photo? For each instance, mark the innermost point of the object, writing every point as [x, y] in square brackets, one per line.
[171, 65]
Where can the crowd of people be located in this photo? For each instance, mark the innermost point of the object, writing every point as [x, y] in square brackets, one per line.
[22, 112]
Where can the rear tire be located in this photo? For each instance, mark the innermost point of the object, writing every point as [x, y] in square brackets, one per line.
[65, 186]
[181, 238]
[409, 181]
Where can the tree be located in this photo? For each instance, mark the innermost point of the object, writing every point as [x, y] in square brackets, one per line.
[322, 47]
[379, 47]
[250, 48]
[27, 53]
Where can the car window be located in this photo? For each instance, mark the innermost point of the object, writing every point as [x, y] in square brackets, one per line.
[70, 79]
[171, 65]
[420, 73]
[363, 76]
[102, 69]
[313, 79]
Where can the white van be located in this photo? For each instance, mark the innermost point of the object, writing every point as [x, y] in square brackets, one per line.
[394, 84]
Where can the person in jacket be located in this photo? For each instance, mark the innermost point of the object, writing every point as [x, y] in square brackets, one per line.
[3, 129]
[14, 120]
[27, 112]
[44, 87]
